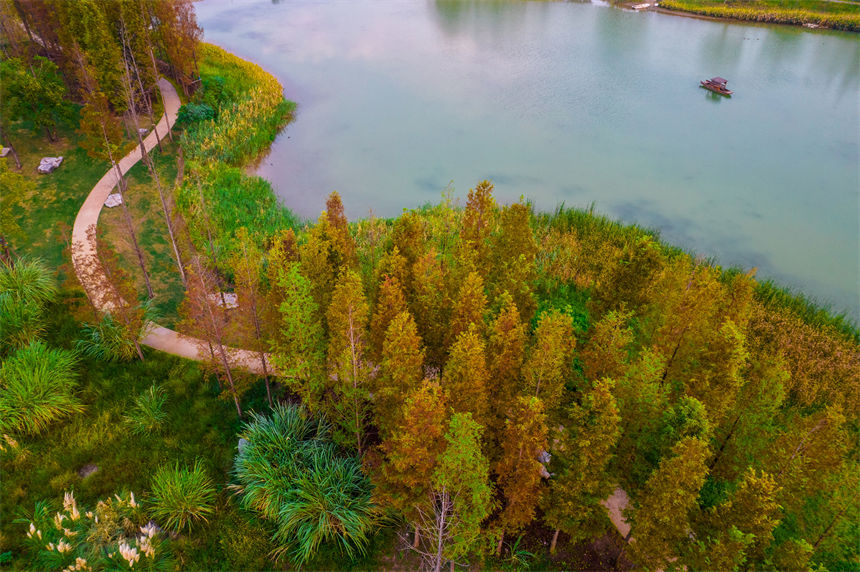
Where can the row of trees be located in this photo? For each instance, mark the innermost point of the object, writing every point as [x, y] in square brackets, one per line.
[482, 390]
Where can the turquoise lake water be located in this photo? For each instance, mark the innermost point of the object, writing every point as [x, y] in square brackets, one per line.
[576, 103]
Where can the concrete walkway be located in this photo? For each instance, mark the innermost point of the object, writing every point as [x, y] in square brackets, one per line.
[93, 277]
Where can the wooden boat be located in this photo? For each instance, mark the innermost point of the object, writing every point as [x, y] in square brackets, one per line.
[717, 85]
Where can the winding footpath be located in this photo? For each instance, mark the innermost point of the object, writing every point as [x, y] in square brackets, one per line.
[92, 276]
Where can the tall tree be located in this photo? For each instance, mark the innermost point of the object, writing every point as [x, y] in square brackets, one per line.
[807, 451]
[548, 364]
[581, 451]
[641, 400]
[753, 422]
[479, 220]
[605, 354]
[103, 140]
[179, 35]
[629, 278]
[407, 237]
[343, 245]
[248, 322]
[318, 265]
[513, 259]
[33, 92]
[400, 372]
[465, 377]
[349, 369]
[738, 530]
[469, 309]
[519, 469]
[404, 479]
[462, 477]
[207, 322]
[390, 303]
[299, 348]
[505, 354]
[430, 305]
[661, 519]
[131, 97]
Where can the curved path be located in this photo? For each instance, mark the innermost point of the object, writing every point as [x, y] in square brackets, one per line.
[92, 276]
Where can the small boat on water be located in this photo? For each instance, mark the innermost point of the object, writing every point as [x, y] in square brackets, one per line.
[717, 85]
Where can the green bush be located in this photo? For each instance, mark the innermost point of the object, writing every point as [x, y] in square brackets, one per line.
[147, 414]
[181, 497]
[37, 386]
[290, 473]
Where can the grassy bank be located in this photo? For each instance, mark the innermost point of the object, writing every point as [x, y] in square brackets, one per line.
[838, 16]
[248, 110]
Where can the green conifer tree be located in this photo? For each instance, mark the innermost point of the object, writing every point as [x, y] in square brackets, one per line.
[349, 370]
[661, 519]
[581, 452]
[549, 361]
[469, 309]
[299, 349]
[401, 370]
[519, 469]
[513, 259]
[465, 377]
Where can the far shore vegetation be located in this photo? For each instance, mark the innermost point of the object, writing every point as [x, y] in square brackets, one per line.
[844, 15]
[457, 386]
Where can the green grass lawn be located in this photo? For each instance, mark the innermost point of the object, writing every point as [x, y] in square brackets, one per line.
[151, 230]
[46, 221]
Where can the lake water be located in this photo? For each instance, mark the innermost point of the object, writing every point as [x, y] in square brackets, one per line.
[575, 103]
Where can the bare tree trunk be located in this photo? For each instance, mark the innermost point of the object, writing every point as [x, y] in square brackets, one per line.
[120, 185]
[211, 241]
[827, 530]
[150, 165]
[8, 142]
[215, 330]
[501, 544]
[554, 542]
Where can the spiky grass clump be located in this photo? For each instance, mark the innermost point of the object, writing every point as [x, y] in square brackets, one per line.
[182, 496]
[147, 414]
[25, 289]
[28, 279]
[37, 386]
[106, 341]
[290, 472]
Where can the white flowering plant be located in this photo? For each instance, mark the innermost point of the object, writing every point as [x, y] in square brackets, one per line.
[116, 535]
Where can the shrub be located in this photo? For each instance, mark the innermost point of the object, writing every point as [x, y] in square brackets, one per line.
[115, 535]
[25, 288]
[36, 388]
[182, 496]
[147, 414]
[193, 113]
[290, 473]
[106, 341]
[28, 279]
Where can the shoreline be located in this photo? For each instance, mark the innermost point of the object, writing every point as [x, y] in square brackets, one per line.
[730, 20]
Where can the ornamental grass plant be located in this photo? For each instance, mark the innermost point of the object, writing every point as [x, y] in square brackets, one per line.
[182, 496]
[289, 471]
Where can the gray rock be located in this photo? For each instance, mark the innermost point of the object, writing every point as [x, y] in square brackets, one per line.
[113, 200]
[48, 164]
[87, 470]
